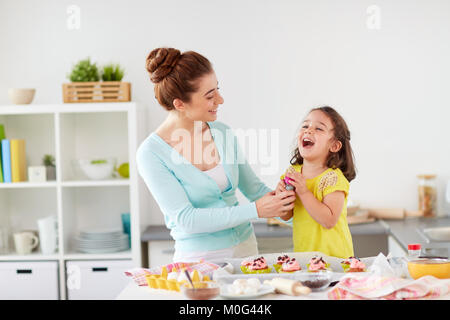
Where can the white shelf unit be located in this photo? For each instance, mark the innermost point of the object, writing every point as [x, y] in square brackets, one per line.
[74, 131]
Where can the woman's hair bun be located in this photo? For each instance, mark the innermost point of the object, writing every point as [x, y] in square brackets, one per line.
[160, 62]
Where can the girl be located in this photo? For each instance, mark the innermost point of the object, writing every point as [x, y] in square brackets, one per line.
[322, 167]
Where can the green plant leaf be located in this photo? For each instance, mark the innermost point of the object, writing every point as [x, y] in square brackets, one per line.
[112, 72]
[84, 71]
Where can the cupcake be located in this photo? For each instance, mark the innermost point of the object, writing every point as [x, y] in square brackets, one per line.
[353, 264]
[317, 264]
[280, 260]
[258, 265]
[289, 266]
[245, 264]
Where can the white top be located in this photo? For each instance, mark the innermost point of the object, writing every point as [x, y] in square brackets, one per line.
[219, 176]
[243, 249]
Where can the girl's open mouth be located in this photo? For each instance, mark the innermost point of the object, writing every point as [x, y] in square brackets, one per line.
[307, 143]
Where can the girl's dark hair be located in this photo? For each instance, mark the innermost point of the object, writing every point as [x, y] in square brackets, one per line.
[174, 74]
[343, 159]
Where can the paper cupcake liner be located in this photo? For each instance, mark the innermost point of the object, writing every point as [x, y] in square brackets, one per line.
[277, 267]
[281, 271]
[345, 266]
[248, 271]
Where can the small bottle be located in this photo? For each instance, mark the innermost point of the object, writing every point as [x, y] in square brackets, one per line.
[288, 185]
[414, 251]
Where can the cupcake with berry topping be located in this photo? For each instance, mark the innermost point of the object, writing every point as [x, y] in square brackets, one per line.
[317, 264]
[258, 265]
[280, 260]
[245, 264]
[353, 264]
[289, 266]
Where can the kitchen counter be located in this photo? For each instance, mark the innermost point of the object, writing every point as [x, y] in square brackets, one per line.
[409, 230]
[369, 239]
[263, 230]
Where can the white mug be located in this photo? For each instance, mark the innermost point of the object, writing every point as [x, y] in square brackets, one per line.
[48, 234]
[25, 242]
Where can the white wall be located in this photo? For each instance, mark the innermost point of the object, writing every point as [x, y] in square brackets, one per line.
[274, 60]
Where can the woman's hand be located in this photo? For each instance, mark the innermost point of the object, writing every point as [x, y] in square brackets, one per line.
[275, 205]
[281, 187]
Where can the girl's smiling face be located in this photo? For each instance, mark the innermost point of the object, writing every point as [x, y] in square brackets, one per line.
[316, 138]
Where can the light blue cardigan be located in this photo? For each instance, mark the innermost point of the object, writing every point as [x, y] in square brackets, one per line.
[199, 215]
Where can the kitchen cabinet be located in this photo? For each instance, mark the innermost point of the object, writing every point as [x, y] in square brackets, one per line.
[70, 132]
[98, 280]
[160, 252]
[29, 280]
[395, 249]
[270, 245]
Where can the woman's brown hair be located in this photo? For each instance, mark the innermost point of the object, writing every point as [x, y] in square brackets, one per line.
[174, 74]
[343, 159]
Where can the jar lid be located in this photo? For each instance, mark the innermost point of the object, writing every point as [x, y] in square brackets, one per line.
[426, 176]
[414, 246]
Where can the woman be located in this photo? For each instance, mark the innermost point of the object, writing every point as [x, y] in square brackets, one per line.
[192, 165]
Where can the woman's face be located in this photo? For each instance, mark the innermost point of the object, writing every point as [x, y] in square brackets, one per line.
[316, 137]
[205, 101]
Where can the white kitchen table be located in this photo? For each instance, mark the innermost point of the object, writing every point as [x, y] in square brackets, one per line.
[135, 292]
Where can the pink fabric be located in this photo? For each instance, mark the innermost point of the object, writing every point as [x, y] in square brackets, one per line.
[360, 286]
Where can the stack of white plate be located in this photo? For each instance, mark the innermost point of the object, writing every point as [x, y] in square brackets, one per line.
[101, 241]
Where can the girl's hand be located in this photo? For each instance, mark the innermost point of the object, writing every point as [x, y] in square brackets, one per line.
[298, 181]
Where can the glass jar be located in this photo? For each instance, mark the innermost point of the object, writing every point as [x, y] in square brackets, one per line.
[414, 250]
[427, 194]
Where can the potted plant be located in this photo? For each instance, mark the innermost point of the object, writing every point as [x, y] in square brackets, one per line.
[49, 162]
[112, 73]
[84, 71]
[87, 87]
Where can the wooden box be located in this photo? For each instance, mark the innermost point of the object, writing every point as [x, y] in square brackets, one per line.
[104, 91]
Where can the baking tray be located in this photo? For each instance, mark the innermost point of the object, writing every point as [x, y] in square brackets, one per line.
[232, 271]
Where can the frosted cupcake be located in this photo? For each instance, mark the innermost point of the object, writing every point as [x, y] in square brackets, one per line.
[353, 264]
[289, 266]
[258, 265]
[280, 260]
[317, 264]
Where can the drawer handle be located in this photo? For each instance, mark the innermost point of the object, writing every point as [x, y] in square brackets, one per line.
[99, 269]
[24, 271]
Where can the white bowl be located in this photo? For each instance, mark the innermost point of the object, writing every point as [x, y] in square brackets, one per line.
[98, 168]
[316, 281]
[21, 95]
